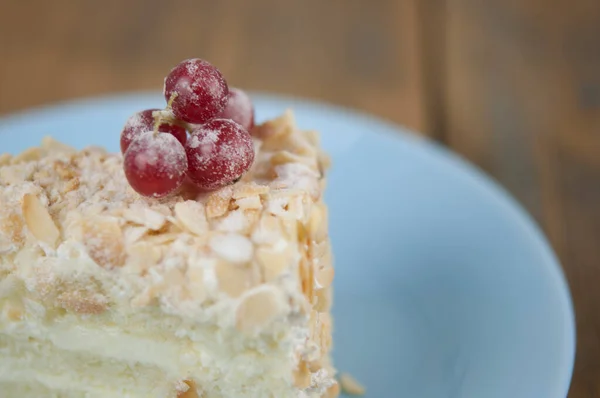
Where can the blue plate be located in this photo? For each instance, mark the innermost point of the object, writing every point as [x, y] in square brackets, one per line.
[444, 288]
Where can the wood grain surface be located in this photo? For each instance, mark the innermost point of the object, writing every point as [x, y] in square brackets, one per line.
[514, 86]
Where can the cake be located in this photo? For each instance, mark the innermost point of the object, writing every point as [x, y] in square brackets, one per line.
[105, 293]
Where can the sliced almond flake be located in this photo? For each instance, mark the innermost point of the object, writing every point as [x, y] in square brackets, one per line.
[142, 256]
[195, 276]
[5, 159]
[333, 391]
[83, 302]
[233, 279]
[250, 202]
[71, 185]
[13, 175]
[267, 230]
[313, 137]
[133, 234]
[189, 392]
[324, 161]
[11, 230]
[325, 331]
[192, 216]
[234, 221]
[315, 220]
[324, 277]
[28, 155]
[350, 386]
[324, 298]
[95, 150]
[232, 247]
[258, 309]
[302, 375]
[39, 221]
[51, 145]
[270, 130]
[273, 262]
[145, 216]
[249, 189]
[218, 202]
[162, 238]
[103, 241]
[283, 157]
[66, 170]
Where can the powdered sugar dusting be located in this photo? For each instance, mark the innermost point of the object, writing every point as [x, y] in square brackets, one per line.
[155, 164]
[219, 153]
[143, 121]
[201, 91]
[239, 108]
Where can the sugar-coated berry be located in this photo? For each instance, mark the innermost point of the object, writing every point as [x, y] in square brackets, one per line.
[143, 121]
[219, 153]
[200, 91]
[155, 164]
[239, 108]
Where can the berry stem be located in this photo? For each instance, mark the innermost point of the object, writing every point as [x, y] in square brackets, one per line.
[167, 116]
[171, 99]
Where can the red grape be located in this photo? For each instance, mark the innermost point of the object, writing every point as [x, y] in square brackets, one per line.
[155, 164]
[219, 153]
[201, 91]
[143, 121]
[239, 108]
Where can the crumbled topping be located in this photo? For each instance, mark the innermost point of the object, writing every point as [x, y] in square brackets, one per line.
[244, 257]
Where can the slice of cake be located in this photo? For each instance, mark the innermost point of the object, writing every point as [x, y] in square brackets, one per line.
[105, 293]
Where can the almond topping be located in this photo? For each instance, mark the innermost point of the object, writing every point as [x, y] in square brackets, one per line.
[232, 247]
[142, 256]
[233, 279]
[323, 297]
[103, 241]
[325, 331]
[28, 155]
[11, 225]
[249, 202]
[190, 392]
[195, 276]
[273, 262]
[283, 157]
[350, 385]
[218, 202]
[39, 221]
[324, 277]
[5, 159]
[146, 217]
[275, 128]
[258, 309]
[302, 376]
[192, 216]
[82, 302]
[51, 145]
[333, 391]
[249, 189]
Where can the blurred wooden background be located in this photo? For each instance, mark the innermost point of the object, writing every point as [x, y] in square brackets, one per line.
[513, 85]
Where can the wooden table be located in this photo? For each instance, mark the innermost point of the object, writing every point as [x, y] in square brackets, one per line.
[514, 86]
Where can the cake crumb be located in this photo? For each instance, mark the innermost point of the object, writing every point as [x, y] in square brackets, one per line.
[350, 386]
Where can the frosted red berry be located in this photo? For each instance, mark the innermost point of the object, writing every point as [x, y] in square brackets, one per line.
[155, 164]
[239, 108]
[219, 153]
[201, 91]
[142, 122]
